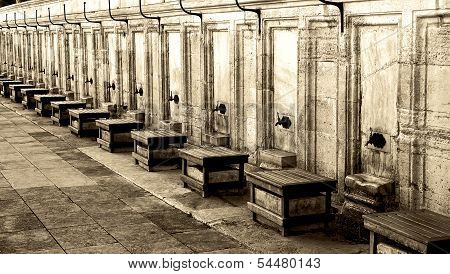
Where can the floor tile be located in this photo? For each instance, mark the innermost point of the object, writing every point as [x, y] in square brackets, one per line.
[81, 236]
[120, 186]
[86, 163]
[11, 157]
[13, 207]
[53, 206]
[72, 154]
[66, 219]
[26, 178]
[118, 218]
[19, 223]
[127, 190]
[102, 249]
[147, 239]
[42, 135]
[147, 204]
[94, 171]
[27, 241]
[52, 164]
[174, 221]
[95, 207]
[195, 201]
[206, 240]
[67, 177]
[239, 250]
[43, 157]
[88, 194]
[58, 250]
[15, 165]
[41, 193]
[4, 183]
[8, 193]
[20, 140]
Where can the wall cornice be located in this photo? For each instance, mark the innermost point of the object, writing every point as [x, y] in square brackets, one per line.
[166, 9]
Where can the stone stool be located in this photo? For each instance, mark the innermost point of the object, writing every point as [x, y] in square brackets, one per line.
[364, 194]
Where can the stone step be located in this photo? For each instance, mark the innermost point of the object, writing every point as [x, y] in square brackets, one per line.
[171, 125]
[108, 107]
[364, 194]
[69, 94]
[277, 159]
[369, 184]
[218, 139]
[137, 115]
[40, 85]
[88, 100]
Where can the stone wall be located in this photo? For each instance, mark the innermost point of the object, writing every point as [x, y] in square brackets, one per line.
[388, 71]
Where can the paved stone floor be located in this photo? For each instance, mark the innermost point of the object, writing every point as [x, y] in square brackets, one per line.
[62, 194]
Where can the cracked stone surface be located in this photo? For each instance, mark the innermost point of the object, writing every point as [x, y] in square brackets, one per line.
[62, 194]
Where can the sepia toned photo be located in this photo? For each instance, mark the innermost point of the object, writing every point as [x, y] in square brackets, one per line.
[225, 127]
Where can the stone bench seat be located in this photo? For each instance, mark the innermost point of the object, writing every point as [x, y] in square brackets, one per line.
[419, 231]
[43, 103]
[207, 169]
[273, 159]
[115, 134]
[364, 194]
[369, 184]
[171, 125]
[28, 94]
[157, 150]
[60, 111]
[290, 199]
[82, 122]
[4, 86]
[15, 92]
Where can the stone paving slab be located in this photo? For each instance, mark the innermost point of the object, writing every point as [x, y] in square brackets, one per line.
[20, 140]
[72, 155]
[9, 194]
[68, 177]
[120, 187]
[102, 206]
[4, 183]
[57, 250]
[82, 236]
[53, 206]
[26, 178]
[12, 156]
[205, 240]
[13, 207]
[148, 238]
[64, 219]
[118, 218]
[231, 251]
[101, 249]
[234, 221]
[19, 222]
[42, 194]
[147, 204]
[104, 203]
[82, 194]
[16, 165]
[179, 222]
[27, 241]
[38, 157]
[52, 164]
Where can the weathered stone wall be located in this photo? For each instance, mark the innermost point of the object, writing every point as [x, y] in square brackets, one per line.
[388, 71]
